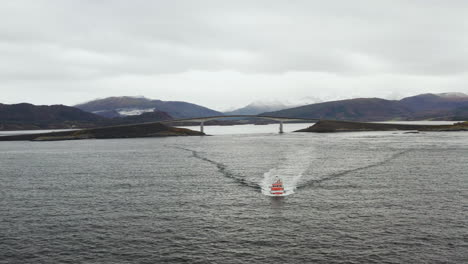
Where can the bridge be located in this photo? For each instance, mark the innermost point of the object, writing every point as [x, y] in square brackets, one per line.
[202, 120]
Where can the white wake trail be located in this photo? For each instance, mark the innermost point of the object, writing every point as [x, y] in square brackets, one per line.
[289, 170]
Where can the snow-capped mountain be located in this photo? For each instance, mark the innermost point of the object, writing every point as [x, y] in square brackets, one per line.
[258, 107]
[130, 106]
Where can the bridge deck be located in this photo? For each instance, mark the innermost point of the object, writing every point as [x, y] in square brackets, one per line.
[208, 118]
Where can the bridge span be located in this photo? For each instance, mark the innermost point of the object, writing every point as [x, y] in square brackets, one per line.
[202, 120]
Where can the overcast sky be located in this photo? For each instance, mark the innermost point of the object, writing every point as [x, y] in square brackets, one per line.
[223, 54]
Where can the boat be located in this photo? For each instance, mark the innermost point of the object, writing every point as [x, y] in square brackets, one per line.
[277, 187]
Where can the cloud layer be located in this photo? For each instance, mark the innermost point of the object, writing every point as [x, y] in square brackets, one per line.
[229, 53]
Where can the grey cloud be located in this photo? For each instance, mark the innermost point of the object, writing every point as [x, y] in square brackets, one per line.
[299, 35]
[87, 41]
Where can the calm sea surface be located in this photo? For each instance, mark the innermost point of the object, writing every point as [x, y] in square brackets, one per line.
[373, 197]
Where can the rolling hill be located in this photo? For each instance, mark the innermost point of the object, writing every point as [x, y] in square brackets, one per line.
[27, 116]
[447, 106]
[257, 108]
[127, 105]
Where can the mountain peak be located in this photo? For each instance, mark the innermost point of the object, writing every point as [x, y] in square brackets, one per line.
[266, 104]
[136, 105]
[452, 95]
[418, 107]
[258, 107]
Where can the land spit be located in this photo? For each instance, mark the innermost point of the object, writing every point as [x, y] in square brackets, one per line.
[327, 126]
[125, 131]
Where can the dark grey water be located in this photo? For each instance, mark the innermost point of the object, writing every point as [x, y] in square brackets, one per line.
[354, 198]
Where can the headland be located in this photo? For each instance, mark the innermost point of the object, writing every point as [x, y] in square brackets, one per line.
[125, 131]
[327, 126]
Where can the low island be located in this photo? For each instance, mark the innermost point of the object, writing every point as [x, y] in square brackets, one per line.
[125, 131]
[327, 126]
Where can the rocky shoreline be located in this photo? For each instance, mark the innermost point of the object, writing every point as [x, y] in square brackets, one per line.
[126, 131]
[328, 126]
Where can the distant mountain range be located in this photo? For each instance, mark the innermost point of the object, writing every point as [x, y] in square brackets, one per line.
[446, 106]
[28, 116]
[130, 110]
[257, 108]
[127, 105]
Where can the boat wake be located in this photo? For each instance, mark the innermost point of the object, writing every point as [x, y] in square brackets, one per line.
[294, 169]
[223, 169]
[314, 182]
[290, 170]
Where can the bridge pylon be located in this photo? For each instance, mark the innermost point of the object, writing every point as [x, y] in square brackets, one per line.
[281, 120]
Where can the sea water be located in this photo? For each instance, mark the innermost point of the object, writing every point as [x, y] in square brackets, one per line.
[371, 197]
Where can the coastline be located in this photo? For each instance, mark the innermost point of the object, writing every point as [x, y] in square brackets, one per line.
[331, 126]
[124, 131]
